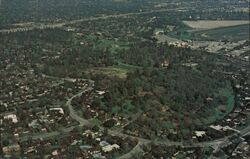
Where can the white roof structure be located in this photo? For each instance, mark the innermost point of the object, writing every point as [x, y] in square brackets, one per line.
[13, 117]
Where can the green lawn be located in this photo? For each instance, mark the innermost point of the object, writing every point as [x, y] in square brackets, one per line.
[95, 121]
[217, 113]
[112, 45]
[109, 71]
[233, 33]
[127, 66]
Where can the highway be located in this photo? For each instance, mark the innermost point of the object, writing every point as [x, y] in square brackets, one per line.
[61, 24]
[216, 144]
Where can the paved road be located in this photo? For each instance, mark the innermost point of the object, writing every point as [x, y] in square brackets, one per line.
[136, 150]
[58, 25]
[141, 141]
[73, 114]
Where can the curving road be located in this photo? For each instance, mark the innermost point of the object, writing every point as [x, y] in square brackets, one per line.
[73, 114]
[141, 141]
[216, 144]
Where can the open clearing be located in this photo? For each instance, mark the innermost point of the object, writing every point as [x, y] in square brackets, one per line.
[231, 33]
[109, 71]
[212, 24]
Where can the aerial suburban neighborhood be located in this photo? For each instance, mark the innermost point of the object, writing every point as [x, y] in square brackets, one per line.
[124, 79]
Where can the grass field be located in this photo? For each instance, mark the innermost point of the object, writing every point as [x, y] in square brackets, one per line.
[221, 111]
[112, 71]
[113, 46]
[127, 66]
[212, 24]
[232, 33]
